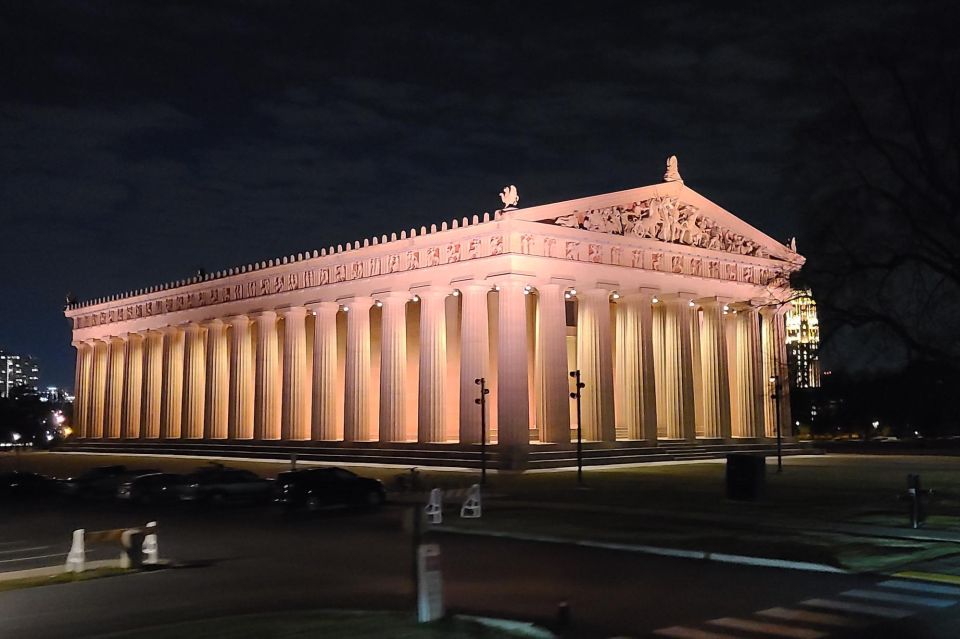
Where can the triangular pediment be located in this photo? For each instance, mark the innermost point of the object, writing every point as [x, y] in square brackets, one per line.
[670, 213]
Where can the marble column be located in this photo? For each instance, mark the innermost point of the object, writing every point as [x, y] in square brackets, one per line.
[295, 416]
[113, 410]
[132, 386]
[677, 388]
[266, 407]
[81, 388]
[595, 361]
[217, 401]
[356, 400]
[636, 388]
[151, 403]
[98, 391]
[393, 367]
[551, 374]
[240, 418]
[433, 366]
[474, 357]
[513, 397]
[749, 383]
[325, 423]
[194, 381]
[773, 346]
[172, 406]
[713, 361]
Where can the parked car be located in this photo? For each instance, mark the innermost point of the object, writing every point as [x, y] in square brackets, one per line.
[102, 481]
[316, 488]
[220, 484]
[152, 488]
[17, 485]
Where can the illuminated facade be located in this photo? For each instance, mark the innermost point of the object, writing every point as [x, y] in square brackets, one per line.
[803, 342]
[17, 370]
[667, 303]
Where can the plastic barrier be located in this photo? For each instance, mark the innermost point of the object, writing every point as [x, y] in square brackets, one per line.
[434, 509]
[471, 508]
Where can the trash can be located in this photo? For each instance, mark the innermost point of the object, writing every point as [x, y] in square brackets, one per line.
[746, 476]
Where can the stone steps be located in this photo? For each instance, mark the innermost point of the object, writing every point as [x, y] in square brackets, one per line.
[452, 455]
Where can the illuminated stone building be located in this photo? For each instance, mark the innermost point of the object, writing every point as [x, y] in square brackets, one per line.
[668, 304]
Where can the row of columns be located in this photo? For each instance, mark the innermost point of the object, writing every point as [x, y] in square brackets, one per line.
[662, 367]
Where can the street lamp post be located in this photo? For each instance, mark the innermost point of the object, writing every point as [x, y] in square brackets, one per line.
[576, 395]
[482, 401]
[775, 382]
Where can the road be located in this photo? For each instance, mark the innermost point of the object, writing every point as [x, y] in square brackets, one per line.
[254, 559]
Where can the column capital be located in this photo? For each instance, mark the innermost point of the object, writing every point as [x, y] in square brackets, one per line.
[431, 291]
[237, 320]
[744, 307]
[675, 298]
[169, 329]
[640, 295]
[323, 308]
[263, 315]
[292, 311]
[191, 328]
[472, 285]
[216, 321]
[394, 297]
[774, 309]
[713, 301]
[360, 303]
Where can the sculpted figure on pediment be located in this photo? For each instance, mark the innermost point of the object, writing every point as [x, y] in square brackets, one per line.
[433, 256]
[393, 263]
[453, 252]
[656, 260]
[496, 245]
[573, 250]
[339, 273]
[677, 263]
[637, 261]
[661, 218]
[594, 253]
[324, 276]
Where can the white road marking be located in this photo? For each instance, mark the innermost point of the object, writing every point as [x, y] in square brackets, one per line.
[893, 597]
[9, 561]
[690, 633]
[767, 628]
[921, 586]
[30, 549]
[808, 616]
[848, 606]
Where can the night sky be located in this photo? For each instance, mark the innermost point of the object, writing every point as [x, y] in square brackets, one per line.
[140, 141]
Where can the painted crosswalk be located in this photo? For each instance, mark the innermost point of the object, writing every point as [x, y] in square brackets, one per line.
[848, 611]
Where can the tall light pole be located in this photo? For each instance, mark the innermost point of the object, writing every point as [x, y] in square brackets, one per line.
[16, 445]
[576, 395]
[775, 383]
[482, 401]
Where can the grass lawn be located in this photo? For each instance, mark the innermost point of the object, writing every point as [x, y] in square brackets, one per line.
[322, 623]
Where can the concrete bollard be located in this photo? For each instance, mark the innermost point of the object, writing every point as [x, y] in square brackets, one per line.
[76, 558]
[151, 547]
[434, 508]
[471, 506]
[131, 548]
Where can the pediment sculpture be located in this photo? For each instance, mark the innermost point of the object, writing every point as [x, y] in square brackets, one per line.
[666, 219]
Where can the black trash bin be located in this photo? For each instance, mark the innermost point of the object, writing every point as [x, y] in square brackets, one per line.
[746, 476]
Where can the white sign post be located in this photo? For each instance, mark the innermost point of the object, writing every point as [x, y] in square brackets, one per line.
[434, 509]
[151, 549]
[429, 583]
[76, 558]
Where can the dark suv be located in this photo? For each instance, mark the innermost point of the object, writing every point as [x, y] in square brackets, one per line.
[316, 488]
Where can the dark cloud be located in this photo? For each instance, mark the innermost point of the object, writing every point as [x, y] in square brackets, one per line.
[139, 140]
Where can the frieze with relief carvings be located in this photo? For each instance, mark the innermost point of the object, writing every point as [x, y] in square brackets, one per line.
[666, 219]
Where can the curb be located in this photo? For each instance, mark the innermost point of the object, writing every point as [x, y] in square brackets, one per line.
[51, 571]
[703, 555]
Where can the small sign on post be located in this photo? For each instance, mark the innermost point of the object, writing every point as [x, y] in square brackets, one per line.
[434, 509]
[471, 506]
[151, 549]
[429, 583]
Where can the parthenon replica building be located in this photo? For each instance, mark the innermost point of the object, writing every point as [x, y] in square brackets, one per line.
[670, 306]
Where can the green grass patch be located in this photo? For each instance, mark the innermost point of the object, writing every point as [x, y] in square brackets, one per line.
[324, 623]
[62, 578]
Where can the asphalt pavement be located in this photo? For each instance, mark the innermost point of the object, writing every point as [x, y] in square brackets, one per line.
[237, 559]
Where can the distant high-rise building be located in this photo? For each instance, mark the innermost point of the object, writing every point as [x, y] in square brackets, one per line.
[803, 342]
[18, 370]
